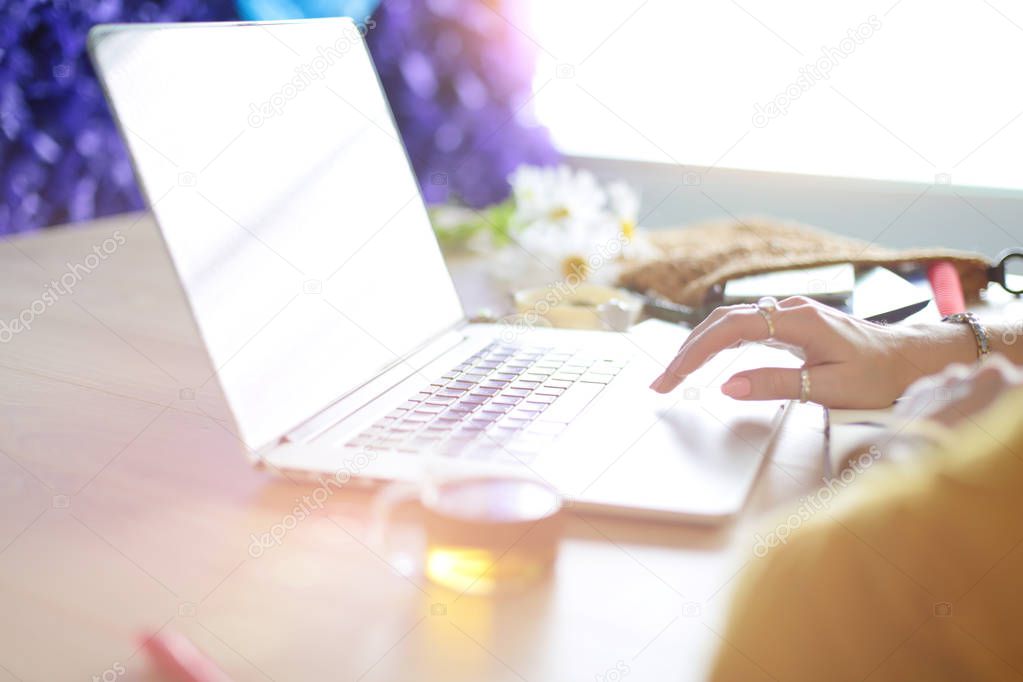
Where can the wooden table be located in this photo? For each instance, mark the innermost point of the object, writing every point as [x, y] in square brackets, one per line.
[125, 508]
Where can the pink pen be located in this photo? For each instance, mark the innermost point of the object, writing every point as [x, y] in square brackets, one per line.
[178, 658]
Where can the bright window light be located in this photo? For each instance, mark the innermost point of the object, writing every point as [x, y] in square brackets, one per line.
[910, 90]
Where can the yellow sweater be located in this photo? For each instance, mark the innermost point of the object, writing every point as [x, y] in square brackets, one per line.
[914, 573]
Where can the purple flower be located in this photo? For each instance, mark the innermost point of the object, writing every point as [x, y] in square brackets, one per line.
[459, 79]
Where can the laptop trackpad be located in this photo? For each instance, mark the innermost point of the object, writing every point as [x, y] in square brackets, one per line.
[692, 453]
[689, 459]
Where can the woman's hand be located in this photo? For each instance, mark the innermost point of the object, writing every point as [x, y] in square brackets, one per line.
[851, 362]
[960, 391]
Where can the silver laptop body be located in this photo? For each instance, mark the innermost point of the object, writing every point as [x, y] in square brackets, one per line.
[271, 162]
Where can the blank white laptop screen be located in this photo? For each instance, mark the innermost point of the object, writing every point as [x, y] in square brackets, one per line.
[272, 164]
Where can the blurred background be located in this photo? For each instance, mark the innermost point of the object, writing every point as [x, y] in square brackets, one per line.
[897, 121]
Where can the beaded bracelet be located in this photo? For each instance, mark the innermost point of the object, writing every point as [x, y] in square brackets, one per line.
[979, 331]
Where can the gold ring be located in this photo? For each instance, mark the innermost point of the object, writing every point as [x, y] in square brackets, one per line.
[766, 306]
[804, 385]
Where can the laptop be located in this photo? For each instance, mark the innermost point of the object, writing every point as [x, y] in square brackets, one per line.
[271, 162]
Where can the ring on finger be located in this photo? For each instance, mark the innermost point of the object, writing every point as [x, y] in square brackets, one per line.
[804, 385]
[767, 306]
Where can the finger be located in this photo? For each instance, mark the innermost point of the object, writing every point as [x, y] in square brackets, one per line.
[721, 311]
[769, 383]
[828, 386]
[977, 392]
[713, 317]
[733, 327]
[923, 391]
[1002, 368]
[745, 324]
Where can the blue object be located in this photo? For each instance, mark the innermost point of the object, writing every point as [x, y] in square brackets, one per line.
[264, 10]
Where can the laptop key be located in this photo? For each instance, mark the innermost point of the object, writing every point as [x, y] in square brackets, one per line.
[425, 408]
[501, 390]
[461, 438]
[429, 434]
[513, 423]
[405, 427]
[450, 393]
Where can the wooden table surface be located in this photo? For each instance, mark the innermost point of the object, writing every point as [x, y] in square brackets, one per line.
[125, 507]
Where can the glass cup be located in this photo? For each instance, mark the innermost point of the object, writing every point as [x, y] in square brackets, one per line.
[484, 533]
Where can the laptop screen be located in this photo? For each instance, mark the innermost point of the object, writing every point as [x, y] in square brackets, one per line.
[270, 160]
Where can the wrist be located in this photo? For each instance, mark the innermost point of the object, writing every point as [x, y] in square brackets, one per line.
[930, 348]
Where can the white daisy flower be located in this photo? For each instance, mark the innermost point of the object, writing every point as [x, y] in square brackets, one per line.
[566, 224]
[624, 204]
[556, 195]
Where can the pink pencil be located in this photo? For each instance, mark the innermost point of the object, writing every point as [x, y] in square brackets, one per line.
[176, 656]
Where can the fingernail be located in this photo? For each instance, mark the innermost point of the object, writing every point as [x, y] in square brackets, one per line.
[737, 387]
[658, 383]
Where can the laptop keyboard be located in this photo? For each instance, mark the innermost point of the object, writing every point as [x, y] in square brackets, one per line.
[506, 402]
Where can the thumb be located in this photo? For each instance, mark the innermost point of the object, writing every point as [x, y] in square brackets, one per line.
[771, 383]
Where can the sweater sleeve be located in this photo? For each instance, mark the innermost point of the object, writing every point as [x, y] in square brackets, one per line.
[909, 574]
